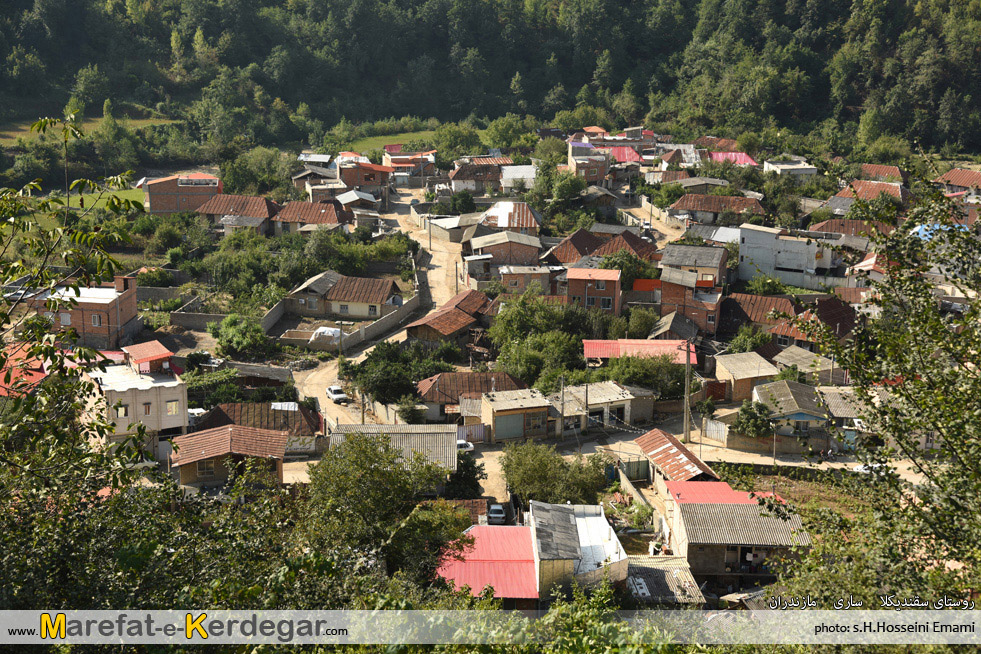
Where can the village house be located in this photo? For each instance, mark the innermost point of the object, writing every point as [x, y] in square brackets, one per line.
[302, 425]
[670, 460]
[866, 190]
[728, 538]
[734, 158]
[508, 247]
[796, 260]
[144, 389]
[700, 185]
[332, 294]
[742, 372]
[708, 208]
[453, 321]
[368, 177]
[606, 403]
[178, 193]
[206, 459]
[827, 313]
[228, 204]
[697, 300]
[883, 173]
[960, 180]
[760, 311]
[232, 224]
[795, 410]
[716, 143]
[103, 317]
[517, 179]
[708, 262]
[411, 164]
[630, 242]
[513, 217]
[666, 176]
[813, 368]
[683, 155]
[517, 414]
[663, 581]
[595, 288]
[442, 393]
[436, 443]
[355, 199]
[475, 178]
[502, 557]
[326, 190]
[517, 279]
[312, 175]
[295, 216]
[572, 248]
[609, 231]
[674, 326]
[795, 167]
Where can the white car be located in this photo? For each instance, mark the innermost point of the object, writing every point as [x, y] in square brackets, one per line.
[496, 515]
[464, 446]
[337, 395]
[869, 469]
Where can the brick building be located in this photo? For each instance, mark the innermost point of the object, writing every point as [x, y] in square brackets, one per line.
[508, 248]
[178, 193]
[102, 316]
[697, 300]
[595, 288]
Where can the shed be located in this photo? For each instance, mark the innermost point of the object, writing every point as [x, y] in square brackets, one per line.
[742, 372]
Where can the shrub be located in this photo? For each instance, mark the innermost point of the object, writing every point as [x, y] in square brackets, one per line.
[155, 277]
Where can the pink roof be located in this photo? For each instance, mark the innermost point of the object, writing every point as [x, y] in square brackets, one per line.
[393, 148]
[149, 351]
[501, 557]
[635, 347]
[738, 158]
[594, 129]
[707, 492]
[625, 154]
[600, 274]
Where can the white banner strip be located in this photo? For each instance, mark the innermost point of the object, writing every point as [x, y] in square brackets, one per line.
[953, 627]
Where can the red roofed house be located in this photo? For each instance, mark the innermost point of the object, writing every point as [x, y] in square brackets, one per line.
[228, 204]
[178, 193]
[744, 308]
[882, 173]
[573, 248]
[202, 457]
[333, 294]
[832, 313]
[368, 177]
[452, 321]
[864, 189]
[502, 557]
[595, 288]
[144, 389]
[670, 460]
[512, 217]
[625, 154]
[706, 209]
[296, 215]
[959, 179]
[604, 350]
[716, 143]
[392, 148]
[26, 371]
[630, 242]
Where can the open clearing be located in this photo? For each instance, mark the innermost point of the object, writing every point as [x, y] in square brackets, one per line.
[135, 194]
[10, 132]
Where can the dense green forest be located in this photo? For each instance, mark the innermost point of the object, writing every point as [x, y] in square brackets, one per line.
[272, 72]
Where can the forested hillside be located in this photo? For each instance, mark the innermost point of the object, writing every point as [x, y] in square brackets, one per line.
[276, 71]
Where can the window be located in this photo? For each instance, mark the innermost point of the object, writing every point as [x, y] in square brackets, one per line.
[592, 172]
[577, 299]
[590, 302]
[206, 468]
[601, 285]
[96, 320]
[742, 240]
[534, 421]
[710, 318]
[742, 258]
[606, 303]
[122, 411]
[311, 304]
[173, 407]
[146, 408]
[66, 319]
[372, 310]
[343, 308]
[801, 426]
[783, 341]
[513, 283]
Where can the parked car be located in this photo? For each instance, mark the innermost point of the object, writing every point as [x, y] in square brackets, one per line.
[337, 395]
[463, 445]
[870, 469]
[496, 515]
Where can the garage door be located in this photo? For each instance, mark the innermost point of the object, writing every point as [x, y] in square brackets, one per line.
[512, 426]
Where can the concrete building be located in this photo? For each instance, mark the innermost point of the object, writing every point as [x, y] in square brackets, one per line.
[797, 259]
[437, 443]
[442, 394]
[601, 403]
[102, 317]
[508, 247]
[797, 168]
[144, 390]
[517, 279]
[515, 414]
[708, 262]
[698, 300]
[332, 294]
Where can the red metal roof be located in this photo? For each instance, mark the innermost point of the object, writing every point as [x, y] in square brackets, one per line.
[625, 154]
[595, 274]
[233, 439]
[674, 460]
[707, 492]
[738, 158]
[493, 161]
[393, 148]
[631, 347]
[882, 173]
[501, 557]
[149, 351]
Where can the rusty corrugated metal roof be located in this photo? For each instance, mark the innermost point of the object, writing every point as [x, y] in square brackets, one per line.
[675, 461]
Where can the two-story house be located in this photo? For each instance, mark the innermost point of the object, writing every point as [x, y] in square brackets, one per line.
[177, 193]
[101, 316]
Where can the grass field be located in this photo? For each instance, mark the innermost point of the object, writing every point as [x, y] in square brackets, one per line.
[135, 194]
[377, 142]
[10, 132]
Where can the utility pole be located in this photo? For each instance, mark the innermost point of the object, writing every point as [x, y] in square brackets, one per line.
[688, 392]
[562, 404]
[456, 274]
[429, 223]
[587, 404]
[361, 393]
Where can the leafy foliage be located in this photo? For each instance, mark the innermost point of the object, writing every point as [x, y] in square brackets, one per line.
[464, 483]
[753, 420]
[390, 372]
[240, 336]
[535, 471]
[748, 338]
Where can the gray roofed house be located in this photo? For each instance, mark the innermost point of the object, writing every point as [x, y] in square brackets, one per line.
[786, 398]
[614, 229]
[700, 181]
[319, 284]
[436, 442]
[674, 325]
[497, 238]
[662, 580]
[243, 221]
[740, 524]
[717, 233]
[842, 403]
[555, 529]
[745, 365]
[810, 364]
[695, 256]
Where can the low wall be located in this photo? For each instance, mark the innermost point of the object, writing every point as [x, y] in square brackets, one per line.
[386, 413]
[188, 318]
[157, 293]
[272, 316]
